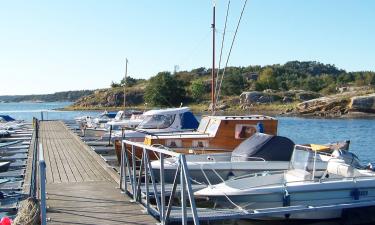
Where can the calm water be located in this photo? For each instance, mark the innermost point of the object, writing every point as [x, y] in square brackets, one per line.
[361, 133]
[26, 111]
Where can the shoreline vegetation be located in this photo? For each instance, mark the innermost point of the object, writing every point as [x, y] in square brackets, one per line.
[295, 88]
[306, 89]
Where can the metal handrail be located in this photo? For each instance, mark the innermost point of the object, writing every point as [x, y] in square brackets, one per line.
[42, 180]
[145, 176]
[33, 182]
[38, 181]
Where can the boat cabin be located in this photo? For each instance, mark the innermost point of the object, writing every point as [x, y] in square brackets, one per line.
[158, 121]
[215, 133]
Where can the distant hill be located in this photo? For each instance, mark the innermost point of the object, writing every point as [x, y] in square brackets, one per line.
[311, 76]
[65, 96]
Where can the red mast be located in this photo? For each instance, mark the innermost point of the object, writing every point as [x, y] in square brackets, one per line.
[213, 62]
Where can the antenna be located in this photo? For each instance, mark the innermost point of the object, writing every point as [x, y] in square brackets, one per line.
[213, 60]
[126, 74]
[176, 68]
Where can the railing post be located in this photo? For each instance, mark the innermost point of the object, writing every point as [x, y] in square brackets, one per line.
[183, 194]
[162, 190]
[122, 166]
[134, 178]
[145, 157]
[42, 169]
[33, 187]
[185, 171]
[110, 135]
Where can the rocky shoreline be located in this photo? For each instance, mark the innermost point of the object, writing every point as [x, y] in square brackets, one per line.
[352, 103]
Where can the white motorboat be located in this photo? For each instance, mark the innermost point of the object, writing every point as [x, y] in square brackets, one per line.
[314, 180]
[135, 119]
[156, 122]
[122, 120]
[261, 152]
[101, 120]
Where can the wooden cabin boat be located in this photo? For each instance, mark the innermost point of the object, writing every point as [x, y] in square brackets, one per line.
[215, 134]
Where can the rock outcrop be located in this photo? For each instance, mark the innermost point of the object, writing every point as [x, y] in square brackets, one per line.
[269, 96]
[337, 105]
[324, 106]
[363, 103]
[254, 97]
[110, 98]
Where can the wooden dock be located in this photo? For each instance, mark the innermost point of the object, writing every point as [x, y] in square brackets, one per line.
[81, 188]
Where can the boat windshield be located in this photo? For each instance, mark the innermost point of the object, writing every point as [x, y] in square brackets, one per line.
[156, 122]
[303, 160]
[203, 124]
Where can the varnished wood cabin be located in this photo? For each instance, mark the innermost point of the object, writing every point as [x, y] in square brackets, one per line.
[215, 134]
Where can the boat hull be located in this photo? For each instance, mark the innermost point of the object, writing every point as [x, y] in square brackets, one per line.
[316, 195]
[216, 172]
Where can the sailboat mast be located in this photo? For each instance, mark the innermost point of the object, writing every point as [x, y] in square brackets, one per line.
[126, 74]
[213, 61]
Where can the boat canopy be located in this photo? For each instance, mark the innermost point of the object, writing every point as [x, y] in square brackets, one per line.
[188, 121]
[264, 146]
[6, 118]
[167, 111]
[111, 115]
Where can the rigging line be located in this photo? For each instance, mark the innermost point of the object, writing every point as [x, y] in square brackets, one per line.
[230, 51]
[221, 50]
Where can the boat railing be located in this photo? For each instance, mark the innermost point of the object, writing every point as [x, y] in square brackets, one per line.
[38, 181]
[134, 175]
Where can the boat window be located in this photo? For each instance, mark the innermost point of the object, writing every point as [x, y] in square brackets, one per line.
[303, 160]
[173, 143]
[244, 131]
[200, 144]
[213, 127]
[203, 124]
[119, 115]
[156, 122]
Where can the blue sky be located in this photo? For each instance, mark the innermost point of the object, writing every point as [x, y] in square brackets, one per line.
[49, 46]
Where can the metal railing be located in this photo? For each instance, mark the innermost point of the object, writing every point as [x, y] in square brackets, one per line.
[42, 185]
[134, 175]
[38, 181]
[33, 182]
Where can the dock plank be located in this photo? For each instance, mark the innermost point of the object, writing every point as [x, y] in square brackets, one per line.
[81, 189]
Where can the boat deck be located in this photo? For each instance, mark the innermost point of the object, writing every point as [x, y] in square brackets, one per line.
[81, 188]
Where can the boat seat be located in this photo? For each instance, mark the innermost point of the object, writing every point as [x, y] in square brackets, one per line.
[297, 175]
[339, 167]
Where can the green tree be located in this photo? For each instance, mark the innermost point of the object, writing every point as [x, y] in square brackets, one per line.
[267, 80]
[164, 90]
[114, 84]
[130, 81]
[197, 89]
[233, 84]
[370, 78]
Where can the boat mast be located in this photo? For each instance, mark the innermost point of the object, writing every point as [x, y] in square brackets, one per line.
[213, 61]
[126, 73]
